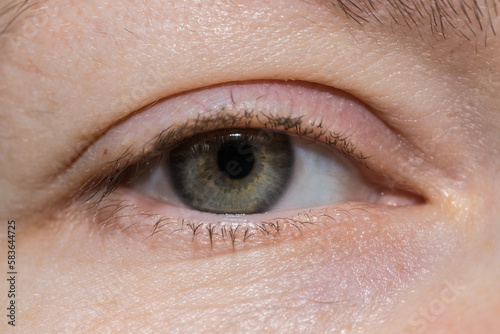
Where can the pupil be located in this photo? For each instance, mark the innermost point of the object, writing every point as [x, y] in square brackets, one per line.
[236, 159]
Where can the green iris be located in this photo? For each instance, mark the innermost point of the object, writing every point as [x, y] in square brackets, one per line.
[232, 171]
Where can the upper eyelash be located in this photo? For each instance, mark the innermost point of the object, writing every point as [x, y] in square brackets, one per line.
[113, 172]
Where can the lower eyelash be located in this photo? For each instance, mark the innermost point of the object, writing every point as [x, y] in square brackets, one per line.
[216, 236]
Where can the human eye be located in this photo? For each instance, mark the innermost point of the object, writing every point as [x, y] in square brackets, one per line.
[249, 171]
[240, 165]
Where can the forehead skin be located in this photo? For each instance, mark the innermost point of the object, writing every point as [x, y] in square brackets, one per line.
[71, 70]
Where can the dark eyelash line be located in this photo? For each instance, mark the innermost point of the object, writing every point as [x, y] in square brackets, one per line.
[219, 232]
[114, 172]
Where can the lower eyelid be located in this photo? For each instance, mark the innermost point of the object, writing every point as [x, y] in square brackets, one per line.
[183, 233]
[191, 236]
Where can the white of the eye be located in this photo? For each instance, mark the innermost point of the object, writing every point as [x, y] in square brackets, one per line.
[155, 183]
[322, 176]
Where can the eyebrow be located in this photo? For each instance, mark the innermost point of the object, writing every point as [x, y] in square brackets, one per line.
[466, 18]
[11, 11]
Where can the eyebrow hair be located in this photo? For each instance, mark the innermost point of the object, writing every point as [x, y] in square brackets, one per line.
[11, 11]
[462, 17]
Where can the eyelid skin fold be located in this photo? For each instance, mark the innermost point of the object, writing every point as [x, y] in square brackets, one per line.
[322, 114]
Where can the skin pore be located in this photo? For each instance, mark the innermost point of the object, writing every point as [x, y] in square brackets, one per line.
[86, 86]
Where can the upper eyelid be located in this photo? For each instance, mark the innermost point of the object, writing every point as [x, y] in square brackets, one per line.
[154, 151]
[323, 109]
[111, 173]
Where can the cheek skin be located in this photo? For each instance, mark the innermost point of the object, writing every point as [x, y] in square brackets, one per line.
[463, 298]
[350, 277]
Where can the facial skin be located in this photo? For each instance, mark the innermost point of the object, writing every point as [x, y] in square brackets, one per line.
[76, 83]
